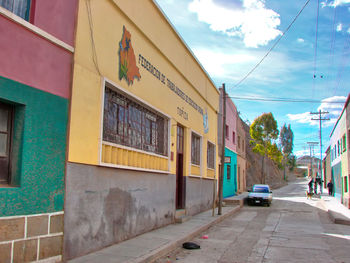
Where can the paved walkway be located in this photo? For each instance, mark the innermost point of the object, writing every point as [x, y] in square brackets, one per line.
[157, 243]
[337, 212]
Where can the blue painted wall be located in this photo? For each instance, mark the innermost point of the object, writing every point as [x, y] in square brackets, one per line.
[337, 180]
[39, 151]
[230, 182]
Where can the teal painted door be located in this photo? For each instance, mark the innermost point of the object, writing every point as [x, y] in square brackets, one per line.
[230, 174]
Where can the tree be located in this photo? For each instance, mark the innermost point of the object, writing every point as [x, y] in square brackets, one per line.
[286, 142]
[264, 132]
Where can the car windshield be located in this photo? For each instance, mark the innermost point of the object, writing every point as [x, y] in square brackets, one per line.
[260, 189]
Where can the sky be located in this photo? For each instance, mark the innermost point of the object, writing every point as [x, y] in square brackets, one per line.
[308, 61]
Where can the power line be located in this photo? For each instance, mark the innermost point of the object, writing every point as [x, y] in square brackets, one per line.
[315, 52]
[284, 100]
[273, 46]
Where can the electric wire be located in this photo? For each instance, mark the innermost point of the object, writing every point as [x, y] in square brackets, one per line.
[94, 53]
[273, 46]
[315, 50]
[332, 47]
[284, 100]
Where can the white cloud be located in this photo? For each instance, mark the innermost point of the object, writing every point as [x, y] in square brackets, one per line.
[256, 24]
[327, 105]
[339, 27]
[216, 62]
[335, 3]
[301, 153]
[300, 40]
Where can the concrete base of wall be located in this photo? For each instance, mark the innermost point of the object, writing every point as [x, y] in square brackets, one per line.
[105, 206]
[199, 195]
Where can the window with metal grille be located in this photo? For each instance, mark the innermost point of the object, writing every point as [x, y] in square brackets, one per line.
[20, 8]
[195, 149]
[344, 143]
[211, 155]
[129, 123]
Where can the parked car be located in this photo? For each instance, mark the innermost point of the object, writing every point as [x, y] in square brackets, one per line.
[260, 194]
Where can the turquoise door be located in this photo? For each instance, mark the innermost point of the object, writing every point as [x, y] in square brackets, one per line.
[230, 174]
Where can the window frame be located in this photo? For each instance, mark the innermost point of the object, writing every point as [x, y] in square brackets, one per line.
[209, 158]
[133, 107]
[28, 12]
[228, 172]
[196, 149]
[6, 177]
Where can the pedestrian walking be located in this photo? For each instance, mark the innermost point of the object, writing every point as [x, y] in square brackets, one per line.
[311, 185]
[318, 183]
[330, 188]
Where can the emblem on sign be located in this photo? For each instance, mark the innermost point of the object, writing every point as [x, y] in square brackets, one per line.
[127, 61]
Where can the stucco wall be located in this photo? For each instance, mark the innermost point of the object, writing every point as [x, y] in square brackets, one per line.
[56, 18]
[199, 195]
[39, 151]
[106, 205]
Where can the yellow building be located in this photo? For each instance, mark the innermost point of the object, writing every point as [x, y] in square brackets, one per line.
[143, 126]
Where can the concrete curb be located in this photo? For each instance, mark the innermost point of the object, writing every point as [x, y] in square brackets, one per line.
[167, 248]
[337, 218]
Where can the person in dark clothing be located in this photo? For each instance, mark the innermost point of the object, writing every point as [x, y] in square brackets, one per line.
[318, 182]
[330, 187]
[310, 185]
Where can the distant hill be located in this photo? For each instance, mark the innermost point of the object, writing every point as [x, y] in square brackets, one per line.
[306, 160]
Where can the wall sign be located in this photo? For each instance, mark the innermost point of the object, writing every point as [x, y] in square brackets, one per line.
[227, 159]
[127, 61]
[166, 81]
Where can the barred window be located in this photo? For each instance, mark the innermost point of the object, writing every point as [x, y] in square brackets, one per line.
[127, 122]
[195, 149]
[211, 155]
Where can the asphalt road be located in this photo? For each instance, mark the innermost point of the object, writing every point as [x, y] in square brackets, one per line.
[292, 229]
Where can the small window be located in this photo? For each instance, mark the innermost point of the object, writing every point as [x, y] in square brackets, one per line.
[6, 120]
[227, 135]
[211, 156]
[234, 137]
[228, 172]
[344, 143]
[195, 149]
[239, 141]
[346, 184]
[20, 8]
[243, 145]
[338, 148]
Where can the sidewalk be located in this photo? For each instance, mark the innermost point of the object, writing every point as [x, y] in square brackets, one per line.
[157, 243]
[338, 213]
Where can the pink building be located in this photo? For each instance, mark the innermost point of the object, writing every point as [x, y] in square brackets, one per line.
[37, 39]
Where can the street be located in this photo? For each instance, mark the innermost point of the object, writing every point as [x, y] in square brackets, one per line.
[292, 229]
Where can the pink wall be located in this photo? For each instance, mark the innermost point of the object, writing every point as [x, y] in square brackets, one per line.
[56, 17]
[27, 58]
[231, 121]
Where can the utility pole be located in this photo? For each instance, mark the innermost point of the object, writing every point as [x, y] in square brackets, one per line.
[319, 113]
[221, 175]
[311, 145]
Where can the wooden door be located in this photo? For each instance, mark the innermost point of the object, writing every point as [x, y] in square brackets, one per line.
[180, 180]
